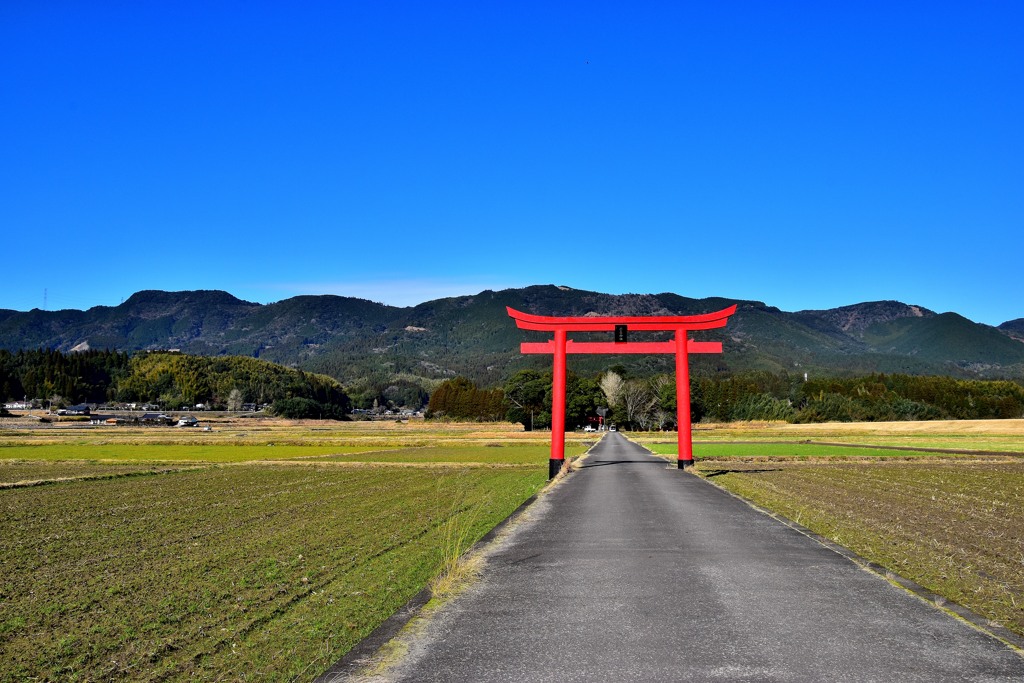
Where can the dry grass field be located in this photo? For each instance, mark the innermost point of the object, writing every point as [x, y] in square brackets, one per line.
[994, 435]
[257, 550]
[951, 521]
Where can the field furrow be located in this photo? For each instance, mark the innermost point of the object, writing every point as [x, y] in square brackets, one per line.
[957, 529]
[265, 569]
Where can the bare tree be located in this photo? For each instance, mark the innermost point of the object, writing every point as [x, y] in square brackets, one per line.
[611, 384]
[639, 402]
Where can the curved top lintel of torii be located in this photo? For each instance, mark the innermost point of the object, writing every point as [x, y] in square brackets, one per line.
[650, 323]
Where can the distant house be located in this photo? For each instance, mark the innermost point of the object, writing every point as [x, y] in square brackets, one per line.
[156, 418]
[18, 405]
[80, 409]
[188, 421]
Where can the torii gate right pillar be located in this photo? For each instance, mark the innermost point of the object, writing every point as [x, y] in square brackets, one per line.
[684, 432]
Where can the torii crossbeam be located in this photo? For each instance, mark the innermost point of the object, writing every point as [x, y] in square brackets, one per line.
[681, 346]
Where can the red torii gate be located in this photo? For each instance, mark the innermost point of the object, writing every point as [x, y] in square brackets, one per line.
[681, 346]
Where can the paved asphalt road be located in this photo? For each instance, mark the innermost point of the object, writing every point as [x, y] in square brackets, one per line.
[634, 571]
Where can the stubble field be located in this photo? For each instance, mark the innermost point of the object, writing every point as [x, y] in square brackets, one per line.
[947, 514]
[159, 554]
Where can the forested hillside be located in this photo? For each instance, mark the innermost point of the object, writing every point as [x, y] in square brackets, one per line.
[170, 380]
[383, 353]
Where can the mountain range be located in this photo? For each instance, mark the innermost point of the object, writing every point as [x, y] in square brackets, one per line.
[473, 336]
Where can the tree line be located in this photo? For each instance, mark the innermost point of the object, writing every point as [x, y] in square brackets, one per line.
[650, 402]
[180, 381]
[87, 377]
[171, 380]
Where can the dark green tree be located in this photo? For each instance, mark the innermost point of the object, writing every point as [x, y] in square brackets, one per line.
[582, 399]
[528, 395]
[460, 399]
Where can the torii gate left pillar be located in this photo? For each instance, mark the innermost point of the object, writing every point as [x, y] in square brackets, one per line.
[681, 346]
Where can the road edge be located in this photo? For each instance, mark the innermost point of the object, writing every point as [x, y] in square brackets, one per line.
[363, 652]
[934, 600]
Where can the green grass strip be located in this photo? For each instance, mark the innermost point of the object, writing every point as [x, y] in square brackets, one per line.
[789, 450]
[215, 453]
[513, 454]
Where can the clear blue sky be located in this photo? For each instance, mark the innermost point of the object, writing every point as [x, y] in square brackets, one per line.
[805, 154]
